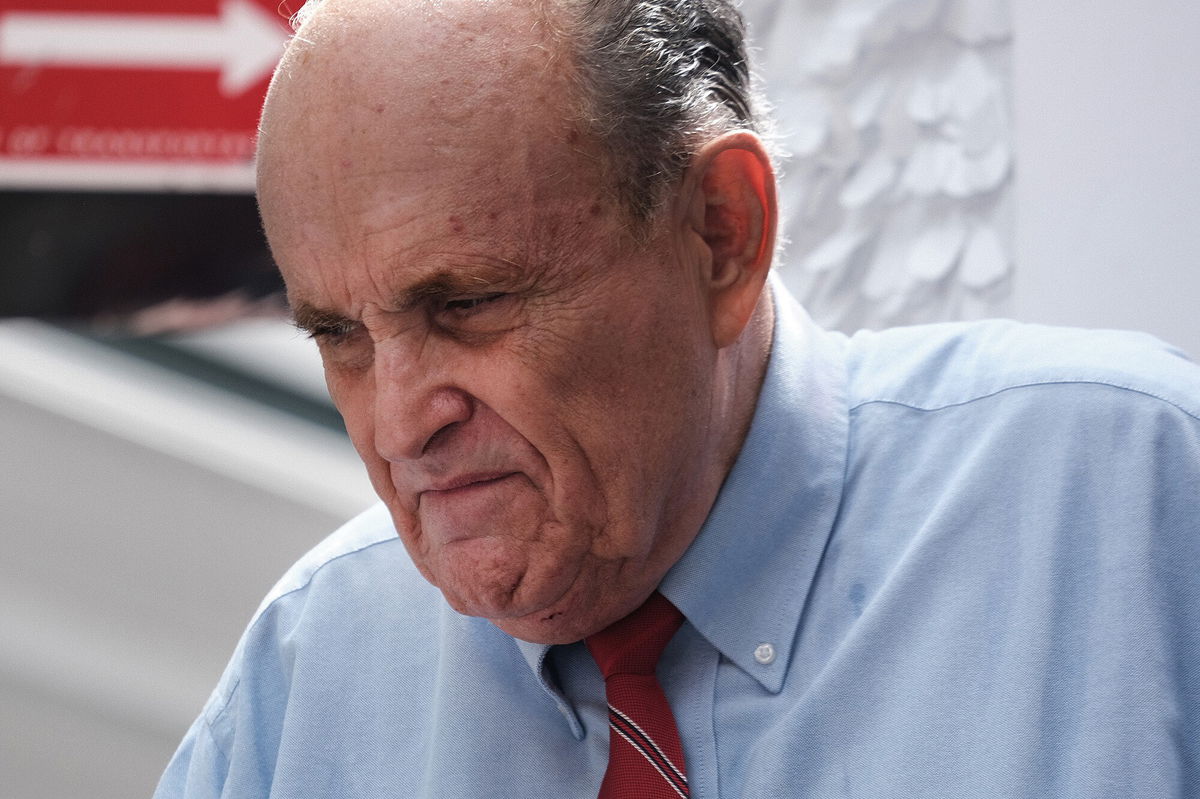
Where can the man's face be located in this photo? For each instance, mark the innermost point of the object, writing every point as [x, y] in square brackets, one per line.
[528, 387]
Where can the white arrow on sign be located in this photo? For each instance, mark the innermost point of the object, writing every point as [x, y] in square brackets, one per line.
[244, 42]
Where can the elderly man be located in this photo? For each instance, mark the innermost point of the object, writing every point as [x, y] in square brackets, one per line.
[645, 530]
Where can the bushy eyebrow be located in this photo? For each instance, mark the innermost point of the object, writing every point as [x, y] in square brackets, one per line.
[442, 284]
[312, 319]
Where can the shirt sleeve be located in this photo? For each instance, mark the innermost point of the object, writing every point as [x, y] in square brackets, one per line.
[198, 769]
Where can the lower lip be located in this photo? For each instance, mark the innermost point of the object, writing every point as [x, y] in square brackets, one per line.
[469, 487]
[468, 512]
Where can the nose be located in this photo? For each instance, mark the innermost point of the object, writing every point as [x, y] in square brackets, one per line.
[416, 402]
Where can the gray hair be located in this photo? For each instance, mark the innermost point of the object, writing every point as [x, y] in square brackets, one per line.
[657, 79]
[660, 78]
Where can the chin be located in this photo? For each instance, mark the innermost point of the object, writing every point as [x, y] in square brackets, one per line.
[542, 613]
[575, 616]
[547, 627]
[497, 580]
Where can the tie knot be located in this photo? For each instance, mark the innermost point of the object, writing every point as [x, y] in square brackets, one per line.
[634, 644]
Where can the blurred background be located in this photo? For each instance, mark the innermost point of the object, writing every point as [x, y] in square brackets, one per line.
[167, 448]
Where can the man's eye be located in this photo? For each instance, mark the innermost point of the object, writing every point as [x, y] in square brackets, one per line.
[332, 334]
[468, 304]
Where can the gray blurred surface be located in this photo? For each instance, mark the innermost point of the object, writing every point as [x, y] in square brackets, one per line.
[126, 579]
[1108, 120]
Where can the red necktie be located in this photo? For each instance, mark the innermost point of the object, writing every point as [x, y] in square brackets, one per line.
[645, 757]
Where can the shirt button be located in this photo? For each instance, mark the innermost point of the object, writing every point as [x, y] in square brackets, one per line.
[765, 654]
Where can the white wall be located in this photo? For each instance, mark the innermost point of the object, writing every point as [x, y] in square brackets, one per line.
[1108, 158]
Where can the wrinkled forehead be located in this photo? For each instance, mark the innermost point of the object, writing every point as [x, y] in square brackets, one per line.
[414, 71]
[400, 135]
[422, 90]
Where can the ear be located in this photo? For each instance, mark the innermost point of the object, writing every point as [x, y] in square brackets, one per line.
[730, 210]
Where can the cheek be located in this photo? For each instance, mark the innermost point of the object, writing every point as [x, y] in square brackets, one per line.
[650, 405]
[615, 389]
[353, 402]
[353, 398]
[621, 370]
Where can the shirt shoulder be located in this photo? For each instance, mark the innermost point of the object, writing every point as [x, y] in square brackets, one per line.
[977, 437]
[929, 367]
[356, 581]
[354, 658]
[370, 528]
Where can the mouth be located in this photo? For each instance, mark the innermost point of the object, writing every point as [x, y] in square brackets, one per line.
[467, 506]
[466, 482]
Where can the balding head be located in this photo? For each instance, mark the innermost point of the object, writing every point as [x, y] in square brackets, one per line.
[383, 77]
[652, 80]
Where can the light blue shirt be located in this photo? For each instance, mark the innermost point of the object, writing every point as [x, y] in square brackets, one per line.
[950, 561]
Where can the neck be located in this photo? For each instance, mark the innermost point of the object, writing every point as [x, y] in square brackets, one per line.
[745, 368]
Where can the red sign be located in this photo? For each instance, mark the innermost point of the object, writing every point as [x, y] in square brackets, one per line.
[148, 94]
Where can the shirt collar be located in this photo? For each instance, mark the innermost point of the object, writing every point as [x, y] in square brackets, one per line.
[743, 581]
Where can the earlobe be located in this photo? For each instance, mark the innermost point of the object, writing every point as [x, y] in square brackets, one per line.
[733, 210]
